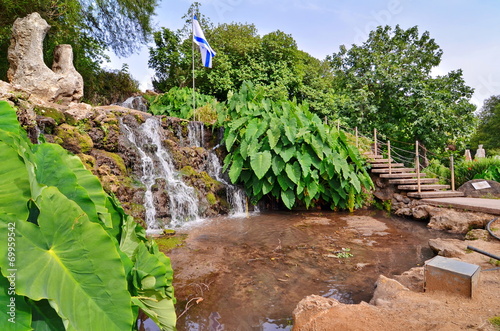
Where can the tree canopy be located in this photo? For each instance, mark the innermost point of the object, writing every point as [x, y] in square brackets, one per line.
[386, 83]
[489, 125]
[272, 61]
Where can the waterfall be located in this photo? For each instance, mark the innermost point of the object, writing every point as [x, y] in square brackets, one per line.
[157, 164]
[196, 134]
[235, 195]
[137, 103]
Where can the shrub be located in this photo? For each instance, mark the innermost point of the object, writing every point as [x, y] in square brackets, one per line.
[178, 102]
[281, 150]
[482, 168]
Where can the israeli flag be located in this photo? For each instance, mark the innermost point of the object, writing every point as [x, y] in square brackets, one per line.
[207, 53]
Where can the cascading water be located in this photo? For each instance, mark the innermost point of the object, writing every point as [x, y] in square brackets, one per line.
[235, 195]
[157, 164]
[196, 134]
[136, 102]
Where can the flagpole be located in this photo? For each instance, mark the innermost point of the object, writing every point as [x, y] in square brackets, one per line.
[192, 60]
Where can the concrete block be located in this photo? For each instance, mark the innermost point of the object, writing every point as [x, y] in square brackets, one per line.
[449, 275]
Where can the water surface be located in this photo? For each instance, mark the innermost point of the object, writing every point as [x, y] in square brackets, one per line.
[250, 273]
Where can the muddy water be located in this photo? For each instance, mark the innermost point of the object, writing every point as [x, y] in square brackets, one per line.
[250, 273]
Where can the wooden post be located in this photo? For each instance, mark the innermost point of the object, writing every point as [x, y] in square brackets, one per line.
[389, 156]
[417, 165]
[375, 140]
[452, 168]
[357, 144]
[338, 125]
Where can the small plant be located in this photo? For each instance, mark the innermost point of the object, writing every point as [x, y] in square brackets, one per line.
[495, 321]
[344, 254]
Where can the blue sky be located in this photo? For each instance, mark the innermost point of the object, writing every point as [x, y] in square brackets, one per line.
[467, 31]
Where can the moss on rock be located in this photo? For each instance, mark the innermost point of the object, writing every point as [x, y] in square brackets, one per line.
[74, 139]
[53, 113]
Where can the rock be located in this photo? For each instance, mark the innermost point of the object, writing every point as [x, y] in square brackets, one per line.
[386, 290]
[412, 279]
[478, 234]
[470, 191]
[73, 139]
[71, 82]
[77, 112]
[28, 70]
[455, 221]
[420, 212]
[403, 212]
[447, 247]
[315, 313]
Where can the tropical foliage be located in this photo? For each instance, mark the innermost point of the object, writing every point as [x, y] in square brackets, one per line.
[178, 102]
[280, 149]
[73, 259]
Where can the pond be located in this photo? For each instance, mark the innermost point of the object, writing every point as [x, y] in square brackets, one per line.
[249, 273]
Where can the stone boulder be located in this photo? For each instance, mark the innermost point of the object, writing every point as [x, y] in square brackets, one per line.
[493, 191]
[457, 221]
[27, 69]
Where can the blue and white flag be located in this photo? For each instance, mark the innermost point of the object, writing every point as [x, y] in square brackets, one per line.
[207, 53]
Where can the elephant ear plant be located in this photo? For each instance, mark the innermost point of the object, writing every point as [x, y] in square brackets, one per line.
[282, 150]
[71, 258]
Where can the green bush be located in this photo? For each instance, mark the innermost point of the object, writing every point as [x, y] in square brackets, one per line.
[282, 150]
[436, 169]
[75, 260]
[482, 168]
[110, 86]
[178, 102]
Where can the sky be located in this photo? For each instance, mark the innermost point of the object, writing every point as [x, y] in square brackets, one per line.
[468, 31]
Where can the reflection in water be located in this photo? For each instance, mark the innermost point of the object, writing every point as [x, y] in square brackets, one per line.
[252, 272]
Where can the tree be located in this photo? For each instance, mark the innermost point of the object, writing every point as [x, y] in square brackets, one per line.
[90, 26]
[489, 125]
[272, 61]
[386, 83]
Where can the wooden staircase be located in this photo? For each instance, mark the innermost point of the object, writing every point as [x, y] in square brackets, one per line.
[406, 179]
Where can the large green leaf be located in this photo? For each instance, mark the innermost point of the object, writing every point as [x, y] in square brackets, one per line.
[15, 314]
[55, 167]
[14, 184]
[152, 274]
[277, 165]
[288, 198]
[45, 318]
[273, 134]
[261, 162]
[287, 153]
[8, 118]
[293, 171]
[235, 170]
[230, 139]
[73, 263]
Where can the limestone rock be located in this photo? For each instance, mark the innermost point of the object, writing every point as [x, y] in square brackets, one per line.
[77, 112]
[413, 279]
[457, 221]
[386, 290]
[28, 70]
[447, 247]
[478, 234]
